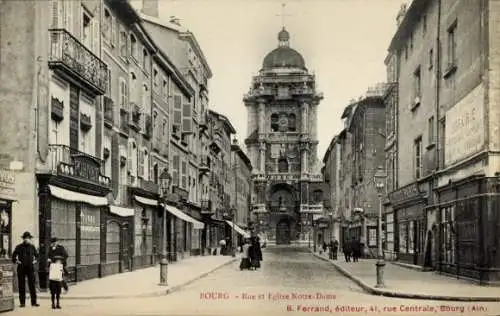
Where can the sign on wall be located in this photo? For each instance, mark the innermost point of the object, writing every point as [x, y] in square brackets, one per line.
[464, 130]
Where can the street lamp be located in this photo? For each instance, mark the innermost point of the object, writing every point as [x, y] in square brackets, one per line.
[165, 180]
[379, 179]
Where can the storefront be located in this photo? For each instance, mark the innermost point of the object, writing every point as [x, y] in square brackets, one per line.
[468, 216]
[409, 223]
[118, 237]
[144, 219]
[389, 238]
[7, 197]
[75, 219]
[183, 229]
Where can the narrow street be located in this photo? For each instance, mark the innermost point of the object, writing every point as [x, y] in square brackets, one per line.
[291, 281]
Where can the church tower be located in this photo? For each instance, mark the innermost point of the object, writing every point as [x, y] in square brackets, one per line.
[282, 107]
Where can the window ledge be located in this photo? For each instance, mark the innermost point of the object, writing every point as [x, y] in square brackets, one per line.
[430, 146]
[450, 70]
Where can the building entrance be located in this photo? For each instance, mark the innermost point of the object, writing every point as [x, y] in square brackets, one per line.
[283, 235]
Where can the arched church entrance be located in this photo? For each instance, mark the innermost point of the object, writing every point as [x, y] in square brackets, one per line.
[283, 232]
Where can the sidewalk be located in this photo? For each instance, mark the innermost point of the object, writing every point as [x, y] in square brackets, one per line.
[144, 282]
[410, 283]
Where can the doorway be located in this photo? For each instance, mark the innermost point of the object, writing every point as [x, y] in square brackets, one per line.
[125, 245]
[283, 232]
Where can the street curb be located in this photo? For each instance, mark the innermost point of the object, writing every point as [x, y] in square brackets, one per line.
[163, 292]
[374, 291]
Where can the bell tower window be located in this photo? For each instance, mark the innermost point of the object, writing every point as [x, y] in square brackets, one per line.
[282, 165]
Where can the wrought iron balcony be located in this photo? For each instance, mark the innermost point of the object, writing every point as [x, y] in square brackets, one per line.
[135, 117]
[183, 194]
[85, 122]
[57, 109]
[146, 185]
[69, 55]
[69, 162]
[206, 207]
[109, 115]
[204, 165]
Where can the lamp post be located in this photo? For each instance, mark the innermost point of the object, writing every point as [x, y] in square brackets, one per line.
[379, 179]
[165, 180]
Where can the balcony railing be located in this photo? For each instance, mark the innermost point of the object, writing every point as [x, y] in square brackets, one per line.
[206, 207]
[57, 109]
[147, 185]
[70, 162]
[183, 194]
[71, 56]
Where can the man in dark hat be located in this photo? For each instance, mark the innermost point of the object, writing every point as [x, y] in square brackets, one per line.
[25, 256]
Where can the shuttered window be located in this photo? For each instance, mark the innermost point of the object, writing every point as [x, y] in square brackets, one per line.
[140, 169]
[184, 175]
[187, 117]
[123, 94]
[175, 170]
[177, 114]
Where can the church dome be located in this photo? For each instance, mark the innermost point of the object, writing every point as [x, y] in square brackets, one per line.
[284, 56]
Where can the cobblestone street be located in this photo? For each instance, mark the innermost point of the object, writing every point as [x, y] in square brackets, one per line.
[291, 279]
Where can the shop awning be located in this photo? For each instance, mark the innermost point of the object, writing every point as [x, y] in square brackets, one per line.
[121, 211]
[238, 229]
[73, 196]
[146, 201]
[180, 214]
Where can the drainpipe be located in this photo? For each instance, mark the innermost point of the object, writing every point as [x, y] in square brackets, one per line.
[438, 125]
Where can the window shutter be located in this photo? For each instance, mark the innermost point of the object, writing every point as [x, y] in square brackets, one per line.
[135, 153]
[95, 35]
[129, 158]
[146, 165]
[55, 13]
[187, 118]
[113, 30]
[175, 170]
[184, 175]
[178, 111]
[140, 169]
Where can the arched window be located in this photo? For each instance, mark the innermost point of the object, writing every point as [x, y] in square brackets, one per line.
[292, 122]
[274, 122]
[282, 165]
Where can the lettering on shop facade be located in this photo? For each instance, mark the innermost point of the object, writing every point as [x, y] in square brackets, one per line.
[7, 184]
[405, 193]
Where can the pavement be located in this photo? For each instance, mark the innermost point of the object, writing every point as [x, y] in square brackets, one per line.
[290, 282]
[144, 282]
[405, 281]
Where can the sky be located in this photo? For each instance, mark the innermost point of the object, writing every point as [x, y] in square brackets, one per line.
[344, 42]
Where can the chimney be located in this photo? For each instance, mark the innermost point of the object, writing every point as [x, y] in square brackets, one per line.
[150, 8]
[401, 14]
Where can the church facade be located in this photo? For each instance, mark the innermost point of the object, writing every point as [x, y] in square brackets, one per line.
[282, 106]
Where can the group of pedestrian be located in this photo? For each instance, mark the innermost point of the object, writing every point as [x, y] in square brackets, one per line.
[352, 249]
[25, 257]
[332, 247]
[251, 254]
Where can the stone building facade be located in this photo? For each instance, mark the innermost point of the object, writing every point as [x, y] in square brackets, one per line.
[282, 145]
[110, 112]
[445, 203]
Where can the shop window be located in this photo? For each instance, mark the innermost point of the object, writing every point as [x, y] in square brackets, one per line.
[5, 231]
[90, 240]
[113, 242]
[448, 234]
[63, 226]
[403, 237]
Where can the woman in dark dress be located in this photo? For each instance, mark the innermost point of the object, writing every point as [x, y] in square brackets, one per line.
[256, 253]
[245, 263]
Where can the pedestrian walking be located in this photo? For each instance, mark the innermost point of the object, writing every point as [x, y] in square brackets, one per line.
[356, 249]
[57, 253]
[25, 256]
[56, 270]
[346, 249]
[255, 253]
[245, 257]
[222, 244]
[324, 246]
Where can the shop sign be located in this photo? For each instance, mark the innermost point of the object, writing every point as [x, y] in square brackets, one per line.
[464, 130]
[405, 193]
[7, 184]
